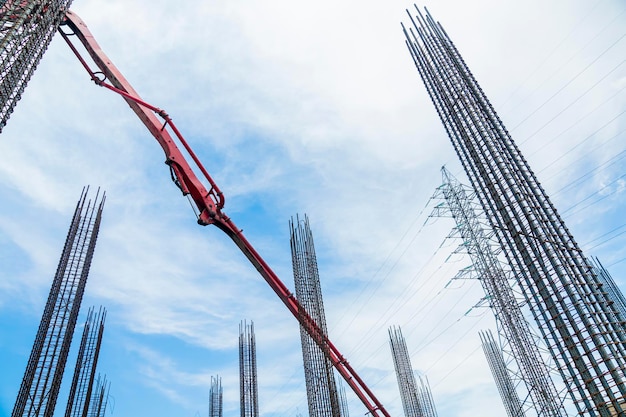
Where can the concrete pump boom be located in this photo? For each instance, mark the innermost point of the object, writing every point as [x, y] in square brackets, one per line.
[208, 202]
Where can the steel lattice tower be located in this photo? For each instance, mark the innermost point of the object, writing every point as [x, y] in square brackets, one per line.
[26, 29]
[85, 371]
[321, 388]
[248, 389]
[583, 330]
[215, 397]
[404, 373]
[496, 281]
[501, 375]
[42, 379]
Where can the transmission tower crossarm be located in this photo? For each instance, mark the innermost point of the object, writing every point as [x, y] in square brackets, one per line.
[209, 202]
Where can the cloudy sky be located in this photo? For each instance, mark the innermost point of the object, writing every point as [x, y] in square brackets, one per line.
[296, 108]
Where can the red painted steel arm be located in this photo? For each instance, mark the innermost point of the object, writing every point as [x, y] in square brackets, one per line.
[208, 202]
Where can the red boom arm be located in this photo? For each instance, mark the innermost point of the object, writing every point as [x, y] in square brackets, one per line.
[209, 202]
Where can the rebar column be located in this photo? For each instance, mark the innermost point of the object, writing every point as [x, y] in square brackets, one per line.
[248, 389]
[215, 397]
[495, 359]
[583, 330]
[26, 29]
[343, 401]
[321, 388]
[425, 396]
[609, 286]
[42, 379]
[404, 374]
[85, 371]
[100, 398]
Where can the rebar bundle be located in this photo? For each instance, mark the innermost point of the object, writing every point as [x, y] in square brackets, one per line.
[215, 397]
[81, 390]
[42, 379]
[497, 283]
[248, 389]
[321, 388]
[404, 374]
[26, 29]
[583, 330]
[506, 388]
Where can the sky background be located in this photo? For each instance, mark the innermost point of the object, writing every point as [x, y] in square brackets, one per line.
[296, 108]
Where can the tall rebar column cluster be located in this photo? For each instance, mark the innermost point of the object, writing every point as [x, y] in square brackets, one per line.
[215, 397]
[81, 391]
[581, 327]
[248, 389]
[321, 388]
[496, 280]
[26, 29]
[42, 379]
[502, 377]
[416, 402]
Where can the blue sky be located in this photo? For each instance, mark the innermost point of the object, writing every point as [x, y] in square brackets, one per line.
[295, 108]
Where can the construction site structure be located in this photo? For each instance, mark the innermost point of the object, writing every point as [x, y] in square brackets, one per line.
[416, 400]
[541, 396]
[609, 286]
[100, 398]
[42, 379]
[502, 377]
[425, 397]
[577, 319]
[26, 29]
[81, 391]
[343, 400]
[321, 387]
[215, 397]
[248, 389]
